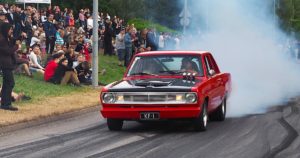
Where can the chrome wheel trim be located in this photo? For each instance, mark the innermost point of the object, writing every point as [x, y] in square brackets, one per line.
[205, 117]
[223, 108]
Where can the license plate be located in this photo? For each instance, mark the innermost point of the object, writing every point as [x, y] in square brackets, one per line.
[149, 116]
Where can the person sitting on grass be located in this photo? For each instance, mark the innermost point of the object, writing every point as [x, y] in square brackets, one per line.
[80, 59]
[52, 65]
[22, 64]
[84, 73]
[64, 75]
[71, 56]
[35, 60]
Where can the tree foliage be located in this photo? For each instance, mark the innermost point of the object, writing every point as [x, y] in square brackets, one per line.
[289, 14]
[164, 12]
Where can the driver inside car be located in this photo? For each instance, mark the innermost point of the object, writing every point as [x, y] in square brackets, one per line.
[187, 65]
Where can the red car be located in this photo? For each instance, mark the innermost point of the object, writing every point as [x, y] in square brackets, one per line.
[165, 85]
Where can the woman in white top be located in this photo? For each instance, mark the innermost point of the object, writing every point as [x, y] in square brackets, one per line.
[35, 60]
[90, 22]
[34, 39]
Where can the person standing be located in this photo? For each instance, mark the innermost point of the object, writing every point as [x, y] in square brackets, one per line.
[151, 40]
[120, 46]
[108, 47]
[81, 18]
[28, 30]
[50, 31]
[128, 46]
[7, 65]
[161, 41]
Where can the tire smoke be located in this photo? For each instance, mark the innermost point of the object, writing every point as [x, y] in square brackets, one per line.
[244, 38]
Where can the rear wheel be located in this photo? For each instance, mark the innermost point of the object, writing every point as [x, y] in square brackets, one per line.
[114, 124]
[220, 113]
[200, 123]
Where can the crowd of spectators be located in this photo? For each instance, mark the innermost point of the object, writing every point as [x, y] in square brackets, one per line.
[57, 43]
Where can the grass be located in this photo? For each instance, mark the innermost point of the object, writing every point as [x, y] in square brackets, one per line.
[113, 71]
[38, 89]
[141, 24]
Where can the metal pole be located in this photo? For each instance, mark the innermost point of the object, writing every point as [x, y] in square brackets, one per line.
[207, 14]
[274, 5]
[184, 16]
[95, 44]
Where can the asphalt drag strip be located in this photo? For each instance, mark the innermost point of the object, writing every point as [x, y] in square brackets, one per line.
[274, 134]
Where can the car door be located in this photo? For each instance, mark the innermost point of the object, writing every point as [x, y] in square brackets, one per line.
[220, 87]
[212, 83]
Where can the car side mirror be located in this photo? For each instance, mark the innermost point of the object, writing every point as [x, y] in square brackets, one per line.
[212, 72]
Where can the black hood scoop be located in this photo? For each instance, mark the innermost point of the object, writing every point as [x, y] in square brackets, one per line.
[145, 83]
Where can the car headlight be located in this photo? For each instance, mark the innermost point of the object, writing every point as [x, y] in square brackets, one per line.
[191, 97]
[109, 98]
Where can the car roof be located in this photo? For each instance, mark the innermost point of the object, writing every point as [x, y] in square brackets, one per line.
[172, 53]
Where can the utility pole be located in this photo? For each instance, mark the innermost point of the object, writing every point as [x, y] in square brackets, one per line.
[274, 9]
[95, 44]
[185, 15]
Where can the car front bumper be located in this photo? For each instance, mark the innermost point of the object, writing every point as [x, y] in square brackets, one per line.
[133, 113]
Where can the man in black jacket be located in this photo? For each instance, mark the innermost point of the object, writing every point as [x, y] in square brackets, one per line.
[50, 31]
[7, 65]
[151, 40]
[10, 15]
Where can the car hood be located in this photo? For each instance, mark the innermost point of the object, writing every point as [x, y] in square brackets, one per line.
[154, 85]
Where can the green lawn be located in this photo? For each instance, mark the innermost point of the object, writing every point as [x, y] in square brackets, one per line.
[113, 71]
[38, 89]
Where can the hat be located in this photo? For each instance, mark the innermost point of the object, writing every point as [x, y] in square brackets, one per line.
[58, 54]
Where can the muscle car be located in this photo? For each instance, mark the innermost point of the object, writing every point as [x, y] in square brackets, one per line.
[168, 85]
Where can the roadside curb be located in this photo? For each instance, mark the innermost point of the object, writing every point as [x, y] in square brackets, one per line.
[46, 119]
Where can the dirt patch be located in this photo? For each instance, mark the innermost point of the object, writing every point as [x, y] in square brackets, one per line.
[50, 106]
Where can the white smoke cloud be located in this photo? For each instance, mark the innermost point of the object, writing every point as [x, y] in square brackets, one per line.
[243, 37]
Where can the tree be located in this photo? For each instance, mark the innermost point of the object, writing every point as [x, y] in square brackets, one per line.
[164, 12]
[289, 14]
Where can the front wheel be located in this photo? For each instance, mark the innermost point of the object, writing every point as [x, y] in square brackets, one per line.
[114, 124]
[200, 123]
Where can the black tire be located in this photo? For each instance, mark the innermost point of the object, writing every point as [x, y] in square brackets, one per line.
[114, 124]
[220, 113]
[200, 123]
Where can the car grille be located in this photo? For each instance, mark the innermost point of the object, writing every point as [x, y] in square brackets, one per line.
[148, 98]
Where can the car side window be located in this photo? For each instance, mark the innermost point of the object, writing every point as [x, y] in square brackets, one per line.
[206, 65]
[209, 65]
[214, 64]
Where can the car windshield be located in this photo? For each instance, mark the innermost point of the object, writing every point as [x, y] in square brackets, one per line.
[166, 65]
